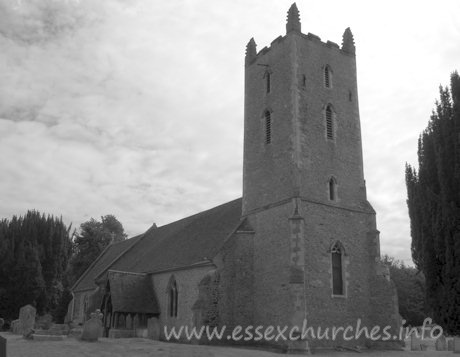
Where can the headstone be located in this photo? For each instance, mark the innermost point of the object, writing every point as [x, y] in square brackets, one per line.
[27, 319]
[97, 314]
[92, 330]
[441, 343]
[14, 327]
[456, 344]
[44, 322]
[2, 347]
[450, 344]
[129, 322]
[415, 342]
[153, 328]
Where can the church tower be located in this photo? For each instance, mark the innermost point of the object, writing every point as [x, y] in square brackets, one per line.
[316, 247]
[302, 126]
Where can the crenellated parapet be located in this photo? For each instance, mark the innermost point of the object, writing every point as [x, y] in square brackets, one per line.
[293, 26]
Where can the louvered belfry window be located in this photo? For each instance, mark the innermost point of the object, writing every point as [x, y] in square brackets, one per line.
[268, 127]
[327, 77]
[329, 123]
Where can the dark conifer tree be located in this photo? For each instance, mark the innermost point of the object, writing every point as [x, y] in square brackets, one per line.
[34, 254]
[434, 208]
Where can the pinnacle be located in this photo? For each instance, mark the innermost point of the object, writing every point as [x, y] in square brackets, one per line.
[293, 19]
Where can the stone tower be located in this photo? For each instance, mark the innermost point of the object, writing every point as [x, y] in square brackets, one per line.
[316, 246]
[301, 96]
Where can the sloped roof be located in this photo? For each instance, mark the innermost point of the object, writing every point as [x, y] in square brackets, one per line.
[103, 262]
[132, 293]
[182, 243]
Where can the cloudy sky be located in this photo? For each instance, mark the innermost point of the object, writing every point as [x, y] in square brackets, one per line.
[135, 107]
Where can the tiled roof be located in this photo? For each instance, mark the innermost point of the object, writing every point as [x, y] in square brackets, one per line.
[132, 293]
[103, 262]
[182, 243]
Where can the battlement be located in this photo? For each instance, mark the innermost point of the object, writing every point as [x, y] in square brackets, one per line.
[293, 26]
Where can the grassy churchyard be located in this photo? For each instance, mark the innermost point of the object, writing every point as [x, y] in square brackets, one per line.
[17, 346]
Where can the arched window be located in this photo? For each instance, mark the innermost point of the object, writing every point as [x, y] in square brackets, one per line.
[332, 189]
[268, 127]
[329, 123]
[337, 269]
[172, 297]
[304, 81]
[327, 77]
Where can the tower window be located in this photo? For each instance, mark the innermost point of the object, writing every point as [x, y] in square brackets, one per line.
[350, 96]
[329, 123]
[327, 77]
[304, 81]
[267, 81]
[332, 189]
[172, 297]
[337, 270]
[268, 127]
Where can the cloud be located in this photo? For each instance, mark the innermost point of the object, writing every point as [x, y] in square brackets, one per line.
[135, 108]
[41, 21]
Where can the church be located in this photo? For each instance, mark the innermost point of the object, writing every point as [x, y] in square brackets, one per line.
[300, 245]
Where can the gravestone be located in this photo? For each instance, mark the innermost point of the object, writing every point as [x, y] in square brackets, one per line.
[153, 328]
[450, 344]
[14, 327]
[27, 319]
[92, 330]
[456, 344]
[441, 343]
[2, 347]
[44, 322]
[415, 342]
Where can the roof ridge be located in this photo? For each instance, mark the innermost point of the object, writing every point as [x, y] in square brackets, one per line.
[90, 267]
[113, 261]
[199, 213]
[140, 236]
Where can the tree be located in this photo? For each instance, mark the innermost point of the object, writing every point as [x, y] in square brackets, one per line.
[93, 238]
[34, 254]
[410, 285]
[434, 208]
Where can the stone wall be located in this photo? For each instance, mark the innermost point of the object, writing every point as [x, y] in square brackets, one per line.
[188, 293]
[79, 316]
[236, 287]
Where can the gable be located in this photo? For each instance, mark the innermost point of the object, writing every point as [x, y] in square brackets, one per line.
[182, 243]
